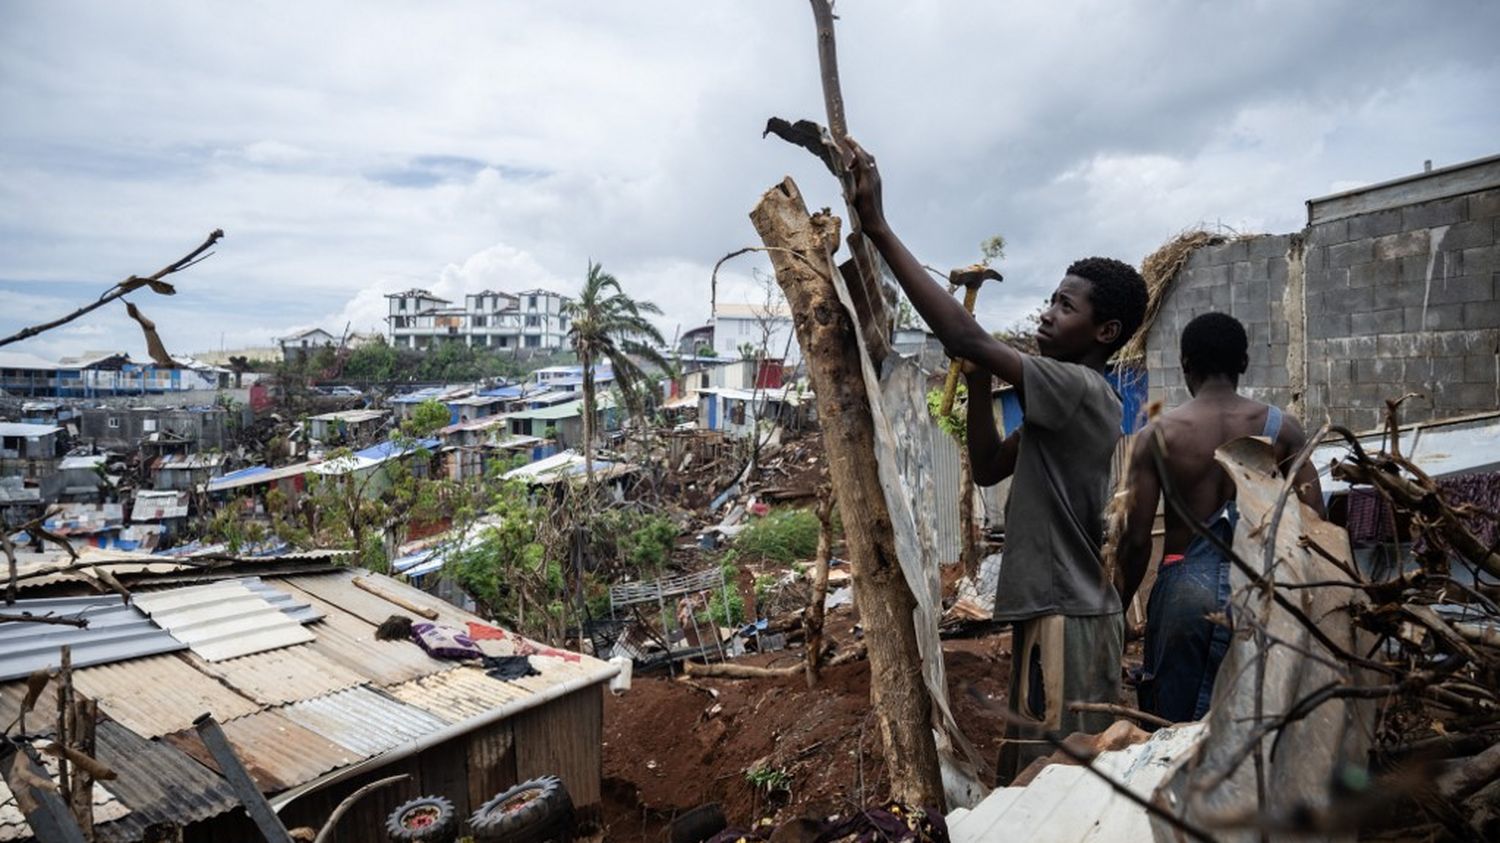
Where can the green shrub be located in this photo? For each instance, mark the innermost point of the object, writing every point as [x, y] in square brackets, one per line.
[785, 536]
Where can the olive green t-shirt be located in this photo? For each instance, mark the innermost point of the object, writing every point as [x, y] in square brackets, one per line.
[1054, 520]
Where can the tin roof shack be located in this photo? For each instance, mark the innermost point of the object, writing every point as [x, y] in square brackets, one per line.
[165, 508]
[29, 450]
[185, 472]
[82, 477]
[736, 411]
[116, 429]
[347, 427]
[564, 421]
[90, 524]
[310, 701]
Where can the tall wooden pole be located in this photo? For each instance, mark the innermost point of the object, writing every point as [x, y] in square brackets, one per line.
[801, 248]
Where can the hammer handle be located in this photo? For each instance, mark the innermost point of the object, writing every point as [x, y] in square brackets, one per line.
[950, 387]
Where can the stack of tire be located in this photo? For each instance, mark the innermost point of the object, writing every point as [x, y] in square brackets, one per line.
[534, 811]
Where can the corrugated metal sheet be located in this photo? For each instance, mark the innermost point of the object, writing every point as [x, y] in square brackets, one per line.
[159, 694]
[276, 752]
[363, 720]
[459, 694]
[157, 782]
[116, 631]
[350, 642]
[222, 620]
[338, 588]
[943, 508]
[565, 739]
[298, 610]
[286, 675]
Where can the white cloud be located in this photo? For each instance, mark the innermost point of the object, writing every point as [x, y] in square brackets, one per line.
[349, 150]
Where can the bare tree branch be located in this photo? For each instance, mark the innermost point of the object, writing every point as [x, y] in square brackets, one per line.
[130, 284]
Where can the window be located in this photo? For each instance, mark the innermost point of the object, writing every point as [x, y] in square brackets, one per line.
[533, 341]
[148, 425]
[531, 302]
[479, 321]
[533, 321]
[400, 304]
[505, 342]
[703, 381]
[114, 422]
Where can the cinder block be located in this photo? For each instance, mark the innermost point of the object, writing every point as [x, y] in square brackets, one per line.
[1269, 246]
[1414, 269]
[1399, 294]
[1435, 317]
[1484, 204]
[1481, 314]
[1328, 325]
[1220, 296]
[1463, 289]
[1280, 334]
[1466, 235]
[1348, 254]
[1434, 213]
[1375, 224]
[1481, 368]
[1370, 322]
[1352, 301]
[1276, 277]
[1401, 245]
[1374, 272]
[1481, 260]
[1329, 233]
[1466, 396]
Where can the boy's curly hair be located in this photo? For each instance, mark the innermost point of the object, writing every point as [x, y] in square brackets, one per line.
[1116, 291]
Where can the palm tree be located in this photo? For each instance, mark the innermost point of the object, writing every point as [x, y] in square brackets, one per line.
[607, 325]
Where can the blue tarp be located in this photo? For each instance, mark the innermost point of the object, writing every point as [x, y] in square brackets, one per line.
[387, 449]
[1130, 384]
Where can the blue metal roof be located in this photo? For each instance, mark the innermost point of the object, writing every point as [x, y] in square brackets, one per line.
[116, 632]
[389, 448]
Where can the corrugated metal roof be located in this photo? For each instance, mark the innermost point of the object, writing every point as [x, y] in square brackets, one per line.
[116, 631]
[286, 675]
[338, 588]
[298, 610]
[349, 641]
[276, 752]
[363, 720]
[27, 431]
[151, 505]
[256, 475]
[159, 694]
[1457, 446]
[459, 694]
[222, 620]
[157, 782]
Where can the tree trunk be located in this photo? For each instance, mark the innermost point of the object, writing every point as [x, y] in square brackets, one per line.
[812, 616]
[588, 417]
[801, 251]
[968, 553]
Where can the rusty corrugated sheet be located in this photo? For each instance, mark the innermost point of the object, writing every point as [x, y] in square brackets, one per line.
[281, 676]
[157, 782]
[458, 694]
[363, 720]
[107, 808]
[338, 588]
[159, 694]
[565, 738]
[278, 753]
[350, 642]
[222, 620]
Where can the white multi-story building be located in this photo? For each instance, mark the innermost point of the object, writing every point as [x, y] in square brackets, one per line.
[531, 319]
[738, 325]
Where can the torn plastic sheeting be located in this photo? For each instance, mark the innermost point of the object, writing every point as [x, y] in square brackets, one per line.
[1309, 752]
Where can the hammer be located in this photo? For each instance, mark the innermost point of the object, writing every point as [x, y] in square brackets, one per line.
[970, 277]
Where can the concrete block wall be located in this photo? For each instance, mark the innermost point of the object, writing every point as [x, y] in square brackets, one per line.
[1389, 290]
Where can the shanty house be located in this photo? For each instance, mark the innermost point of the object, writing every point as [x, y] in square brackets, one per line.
[282, 652]
[735, 412]
[353, 427]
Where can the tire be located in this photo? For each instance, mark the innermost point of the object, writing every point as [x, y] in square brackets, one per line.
[697, 825]
[530, 812]
[426, 819]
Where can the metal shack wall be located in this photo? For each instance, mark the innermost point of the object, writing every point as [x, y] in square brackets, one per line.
[562, 738]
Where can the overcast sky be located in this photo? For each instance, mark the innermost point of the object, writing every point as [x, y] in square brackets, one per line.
[354, 149]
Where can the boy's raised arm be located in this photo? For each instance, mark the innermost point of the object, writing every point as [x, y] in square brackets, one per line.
[960, 334]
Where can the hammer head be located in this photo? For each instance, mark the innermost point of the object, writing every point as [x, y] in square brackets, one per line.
[973, 275]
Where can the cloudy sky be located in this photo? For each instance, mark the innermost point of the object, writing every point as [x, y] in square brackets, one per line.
[354, 149]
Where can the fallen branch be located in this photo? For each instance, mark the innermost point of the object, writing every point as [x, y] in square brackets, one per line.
[27, 617]
[129, 285]
[1122, 711]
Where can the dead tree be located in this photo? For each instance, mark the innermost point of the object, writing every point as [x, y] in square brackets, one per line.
[801, 248]
[812, 616]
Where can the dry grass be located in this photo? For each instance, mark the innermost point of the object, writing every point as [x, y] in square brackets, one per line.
[1159, 269]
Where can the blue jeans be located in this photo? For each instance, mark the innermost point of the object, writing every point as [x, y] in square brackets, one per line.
[1183, 648]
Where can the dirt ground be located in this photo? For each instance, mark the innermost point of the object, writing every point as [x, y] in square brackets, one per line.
[672, 745]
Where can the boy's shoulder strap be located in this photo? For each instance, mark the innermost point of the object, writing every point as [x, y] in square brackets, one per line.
[1273, 423]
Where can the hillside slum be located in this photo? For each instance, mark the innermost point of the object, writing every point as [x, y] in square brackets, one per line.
[421, 601]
